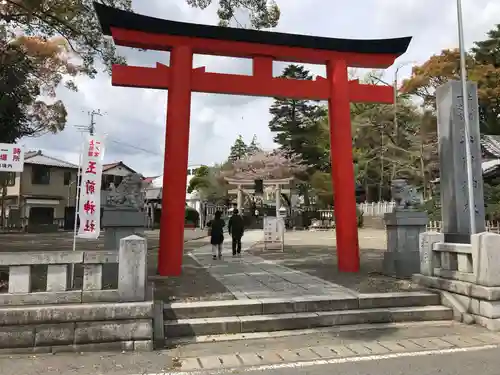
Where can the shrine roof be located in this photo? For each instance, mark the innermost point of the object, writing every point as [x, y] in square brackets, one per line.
[110, 17]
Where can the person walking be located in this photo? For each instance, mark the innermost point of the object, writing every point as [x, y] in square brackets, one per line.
[217, 234]
[236, 228]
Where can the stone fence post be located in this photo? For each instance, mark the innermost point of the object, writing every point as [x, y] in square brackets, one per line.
[132, 269]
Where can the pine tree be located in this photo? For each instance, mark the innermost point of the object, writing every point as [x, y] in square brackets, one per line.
[238, 150]
[254, 146]
[297, 123]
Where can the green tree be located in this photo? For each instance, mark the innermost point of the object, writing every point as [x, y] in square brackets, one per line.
[483, 66]
[299, 124]
[22, 112]
[262, 14]
[208, 184]
[238, 150]
[254, 146]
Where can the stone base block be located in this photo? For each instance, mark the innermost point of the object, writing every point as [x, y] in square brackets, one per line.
[82, 327]
[470, 303]
[113, 235]
[401, 264]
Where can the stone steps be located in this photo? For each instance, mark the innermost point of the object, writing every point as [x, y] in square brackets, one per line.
[244, 316]
[305, 320]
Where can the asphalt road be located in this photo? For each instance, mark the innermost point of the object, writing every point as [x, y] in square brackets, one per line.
[481, 362]
[463, 361]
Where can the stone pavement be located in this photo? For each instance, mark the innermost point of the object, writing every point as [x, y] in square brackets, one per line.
[252, 277]
[315, 253]
[271, 350]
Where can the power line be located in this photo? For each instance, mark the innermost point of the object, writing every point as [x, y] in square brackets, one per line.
[134, 147]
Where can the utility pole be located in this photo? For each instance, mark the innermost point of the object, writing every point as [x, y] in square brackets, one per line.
[92, 121]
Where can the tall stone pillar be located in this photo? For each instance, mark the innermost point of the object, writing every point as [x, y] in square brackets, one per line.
[453, 167]
[278, 199]
[239, 199]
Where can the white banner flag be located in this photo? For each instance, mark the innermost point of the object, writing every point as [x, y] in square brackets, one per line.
[89, 210]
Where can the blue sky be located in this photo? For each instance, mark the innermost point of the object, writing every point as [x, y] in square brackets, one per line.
[134, 119]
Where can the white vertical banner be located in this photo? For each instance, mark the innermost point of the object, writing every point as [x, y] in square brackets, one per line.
[89, 208]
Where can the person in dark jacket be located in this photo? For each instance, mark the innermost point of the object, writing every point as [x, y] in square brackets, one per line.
[217, 234]
[236, 229]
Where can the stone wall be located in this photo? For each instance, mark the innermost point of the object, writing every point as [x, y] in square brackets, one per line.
[78, 327]
[63, 317]
[467, 275]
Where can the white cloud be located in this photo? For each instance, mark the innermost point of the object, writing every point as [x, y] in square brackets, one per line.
[135, 118]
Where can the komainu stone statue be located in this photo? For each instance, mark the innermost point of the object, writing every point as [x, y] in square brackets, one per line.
[404, 195]
[129, 194]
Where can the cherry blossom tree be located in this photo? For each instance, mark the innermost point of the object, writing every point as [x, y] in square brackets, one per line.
[266, 165]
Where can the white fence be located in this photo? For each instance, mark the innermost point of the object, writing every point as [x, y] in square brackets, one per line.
[376, 208]
[491, 226]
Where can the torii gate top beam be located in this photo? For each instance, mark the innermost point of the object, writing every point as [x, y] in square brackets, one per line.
[135, 30]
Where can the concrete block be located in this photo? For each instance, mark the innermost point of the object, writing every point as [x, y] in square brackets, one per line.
[455, 275]
[488, 323]
[124, 330]
[158, 325]
[229, 361]
[100, 257]
[40, 298]
[110, 295]
[401, 299]
[486, 258]
[465, 263]
[401, 263]
[211, 309]
[454, 286]
[27, 258]
[461, 305]
[143, 346]
[17, 336]
[19, 279]
[27, 350]
[489, 293]
[264, 323]
[250, 359]
[201, 326]
[449, 261]
[75, 313]
[125, 346]
[50, 335]
[427, 258]
[132, 268]
[57, 277]
[488, 309]
[92, 276]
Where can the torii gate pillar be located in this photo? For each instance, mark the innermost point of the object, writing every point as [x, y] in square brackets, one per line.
[339, 114]
[176, 162]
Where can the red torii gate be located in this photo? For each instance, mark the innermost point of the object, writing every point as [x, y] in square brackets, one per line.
[185, 39]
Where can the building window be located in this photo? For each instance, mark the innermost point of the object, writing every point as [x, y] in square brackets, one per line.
[11, 178]
[40, 175]
[67, 178]
[108, 179]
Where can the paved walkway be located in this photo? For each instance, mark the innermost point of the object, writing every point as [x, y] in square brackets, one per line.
[252, 277]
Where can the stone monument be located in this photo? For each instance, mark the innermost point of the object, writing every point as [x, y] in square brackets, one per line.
[123, 213]
[453, 167]
[403, 227]
[465, 268]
